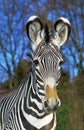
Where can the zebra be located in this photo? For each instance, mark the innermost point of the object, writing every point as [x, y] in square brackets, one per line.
[33, 104]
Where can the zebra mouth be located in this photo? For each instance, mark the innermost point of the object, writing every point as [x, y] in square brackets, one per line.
[50, 108]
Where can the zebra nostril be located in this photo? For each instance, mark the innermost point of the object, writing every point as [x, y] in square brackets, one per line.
[58, 103]
[45, 104]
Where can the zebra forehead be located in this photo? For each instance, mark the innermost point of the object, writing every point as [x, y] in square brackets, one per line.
[49, 48]
[50, 81]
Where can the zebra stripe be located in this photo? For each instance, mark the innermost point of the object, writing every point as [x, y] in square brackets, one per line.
[32, 105]
[22, 102]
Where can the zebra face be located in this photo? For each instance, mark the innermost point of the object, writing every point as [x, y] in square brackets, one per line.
[47, 60]
[47, 57]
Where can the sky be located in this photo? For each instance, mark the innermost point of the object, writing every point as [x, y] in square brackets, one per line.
[19, 28]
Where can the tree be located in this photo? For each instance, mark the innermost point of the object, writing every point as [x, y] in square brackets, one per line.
[21, 73]
[74, 50]
[74, 10]
[13, 39]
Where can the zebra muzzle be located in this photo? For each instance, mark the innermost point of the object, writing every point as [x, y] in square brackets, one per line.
[51, 102]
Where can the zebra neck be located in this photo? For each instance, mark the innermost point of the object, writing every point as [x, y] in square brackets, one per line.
[31, 109]
[33, 98]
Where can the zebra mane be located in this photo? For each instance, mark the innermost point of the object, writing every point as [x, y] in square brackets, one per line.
[47, 38]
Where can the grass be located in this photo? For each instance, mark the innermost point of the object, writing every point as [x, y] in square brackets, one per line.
[70, 116]
[62, 117]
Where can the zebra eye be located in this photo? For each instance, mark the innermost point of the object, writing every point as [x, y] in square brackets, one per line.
[36, 62]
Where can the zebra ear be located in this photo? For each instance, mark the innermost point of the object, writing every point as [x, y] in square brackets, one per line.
[33, 28]
[62, 28]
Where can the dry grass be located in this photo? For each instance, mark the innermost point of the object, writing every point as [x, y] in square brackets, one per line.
[76, 113]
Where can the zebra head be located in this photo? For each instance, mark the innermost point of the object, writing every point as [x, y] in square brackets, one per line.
[47, 57]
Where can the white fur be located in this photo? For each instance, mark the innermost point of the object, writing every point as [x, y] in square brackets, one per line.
[36, 43]
[32, 18]
[37, 123]
[39, 104]
[64, 20]
[41, 91]
[50, 81]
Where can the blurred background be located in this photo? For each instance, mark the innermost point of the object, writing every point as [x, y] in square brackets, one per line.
[14, 47]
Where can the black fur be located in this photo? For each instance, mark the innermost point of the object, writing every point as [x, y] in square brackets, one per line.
[47, 37]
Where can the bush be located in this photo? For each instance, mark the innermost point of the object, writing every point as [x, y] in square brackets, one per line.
[21, 73]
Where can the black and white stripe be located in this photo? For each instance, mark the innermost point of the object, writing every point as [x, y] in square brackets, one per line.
[23, 108]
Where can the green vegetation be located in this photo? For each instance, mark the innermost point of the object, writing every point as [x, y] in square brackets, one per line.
[21, 73]
[70, 116]
[62, 112]
[62, 117]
